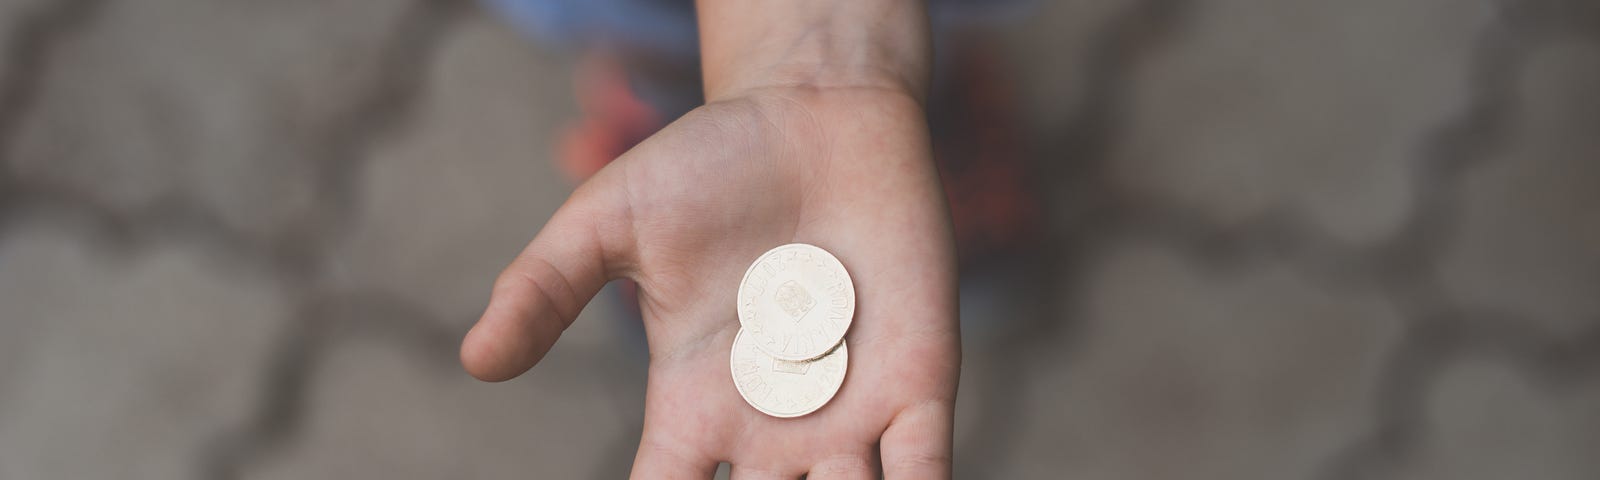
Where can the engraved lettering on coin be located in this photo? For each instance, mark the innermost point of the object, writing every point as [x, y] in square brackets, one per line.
[782, 388]
[796, 302]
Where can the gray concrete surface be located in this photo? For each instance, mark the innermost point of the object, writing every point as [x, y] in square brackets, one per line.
[1306, 239]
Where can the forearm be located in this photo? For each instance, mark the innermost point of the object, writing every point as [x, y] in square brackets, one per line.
[747, 45]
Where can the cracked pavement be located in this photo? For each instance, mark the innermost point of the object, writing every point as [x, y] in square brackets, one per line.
[1349, 240]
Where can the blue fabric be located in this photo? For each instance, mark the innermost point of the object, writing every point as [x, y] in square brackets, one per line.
[666, 28]
[661, 26]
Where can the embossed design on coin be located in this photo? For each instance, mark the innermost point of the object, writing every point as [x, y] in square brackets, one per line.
[796, 302]
[782, 388]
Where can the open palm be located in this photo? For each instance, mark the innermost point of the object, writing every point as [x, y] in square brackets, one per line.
[685, 212]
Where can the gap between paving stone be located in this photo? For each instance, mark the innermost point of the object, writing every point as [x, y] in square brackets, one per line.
[126, 358]
[30, 42]
[336, 152]
[164, 219]
[987, 427]
[1443, 335]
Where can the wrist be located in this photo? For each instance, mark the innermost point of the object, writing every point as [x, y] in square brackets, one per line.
[749, 45]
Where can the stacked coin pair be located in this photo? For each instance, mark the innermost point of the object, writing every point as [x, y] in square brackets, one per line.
[795, 304]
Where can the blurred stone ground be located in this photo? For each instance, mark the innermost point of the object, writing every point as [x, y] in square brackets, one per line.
[1287, 240]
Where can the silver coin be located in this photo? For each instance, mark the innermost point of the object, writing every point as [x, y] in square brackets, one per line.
[782, 388]
[796, 302]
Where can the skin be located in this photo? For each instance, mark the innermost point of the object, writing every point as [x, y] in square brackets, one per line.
[813, 132]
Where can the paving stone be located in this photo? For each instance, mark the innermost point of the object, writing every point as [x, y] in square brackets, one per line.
[381, 410]
[446, 203]
[1183, 372]
[123, 367]
[1306, 108]
[1485, 420]
[1528, 239]
[221, 103]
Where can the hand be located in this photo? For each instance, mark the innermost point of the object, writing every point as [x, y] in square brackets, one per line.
[684, 213]
[814, 133]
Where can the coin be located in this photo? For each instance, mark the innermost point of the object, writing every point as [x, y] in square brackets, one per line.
[796, 301]
[782, 388]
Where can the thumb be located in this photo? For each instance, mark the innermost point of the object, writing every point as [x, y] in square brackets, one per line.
[547, 285]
